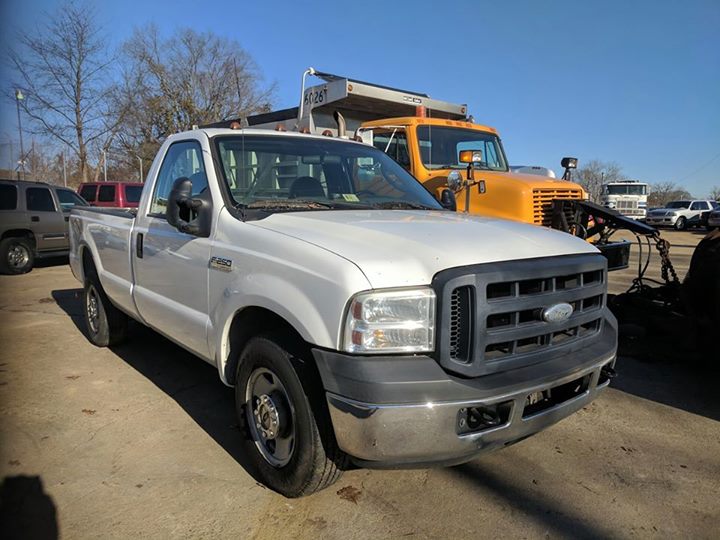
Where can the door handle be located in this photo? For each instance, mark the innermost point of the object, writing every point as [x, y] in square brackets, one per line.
[35, 218]
[139, 246]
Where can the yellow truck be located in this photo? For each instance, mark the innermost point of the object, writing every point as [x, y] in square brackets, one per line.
[428, 137]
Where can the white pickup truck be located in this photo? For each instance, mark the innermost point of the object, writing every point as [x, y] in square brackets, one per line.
[357, 319]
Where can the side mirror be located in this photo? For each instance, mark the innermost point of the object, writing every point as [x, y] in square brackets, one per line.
[447, 200]
[188, 214]
[455, 181]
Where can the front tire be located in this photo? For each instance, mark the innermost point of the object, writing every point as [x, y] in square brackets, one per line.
[106, 325]
[290, 441]
[680, 224]
[16, 256]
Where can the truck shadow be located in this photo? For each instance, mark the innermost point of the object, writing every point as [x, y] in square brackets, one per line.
[556, 517]
[683, 383]
[192, 383]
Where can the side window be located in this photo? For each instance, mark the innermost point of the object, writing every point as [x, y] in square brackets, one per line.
[395, 145]
[183, 160]
[696, 206]
[8, 197]
[39, 200]
[491, 155]
[68, 199]
[87, 192]
[106, 194]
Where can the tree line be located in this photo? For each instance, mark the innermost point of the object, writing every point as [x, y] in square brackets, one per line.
[100, 109]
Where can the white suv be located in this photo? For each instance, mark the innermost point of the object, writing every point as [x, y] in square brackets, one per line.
[679, 214]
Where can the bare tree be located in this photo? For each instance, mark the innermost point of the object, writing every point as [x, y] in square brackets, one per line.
[64, 68]
[594, 174]
[714, 193]
[190, 78]
[664, 192]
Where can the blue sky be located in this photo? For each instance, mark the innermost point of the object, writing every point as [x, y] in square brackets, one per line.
[636, 82]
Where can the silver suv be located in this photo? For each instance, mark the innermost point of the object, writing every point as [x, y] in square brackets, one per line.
[679, 214]
[33, 223]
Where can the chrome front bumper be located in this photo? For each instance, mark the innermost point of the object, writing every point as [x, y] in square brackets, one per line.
[426, 433]
[661, 220]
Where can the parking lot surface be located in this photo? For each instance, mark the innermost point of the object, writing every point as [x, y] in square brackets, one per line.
[142, 441]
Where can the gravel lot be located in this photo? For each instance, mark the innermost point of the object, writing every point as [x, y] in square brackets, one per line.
[142, 441]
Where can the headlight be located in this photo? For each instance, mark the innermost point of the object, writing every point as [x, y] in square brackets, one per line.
[390, 322]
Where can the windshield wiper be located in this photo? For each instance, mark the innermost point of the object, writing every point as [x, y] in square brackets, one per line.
[304, 204]
[403, 205]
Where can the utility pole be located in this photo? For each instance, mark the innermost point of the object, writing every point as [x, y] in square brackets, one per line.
[19, 96]
[64, 169]
[142, 179]
[104, 165]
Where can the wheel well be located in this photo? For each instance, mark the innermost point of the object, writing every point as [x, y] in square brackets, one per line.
[255, 321]
[19, 233]
[88, 265]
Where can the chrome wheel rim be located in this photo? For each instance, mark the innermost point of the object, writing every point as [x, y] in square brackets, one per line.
[18, 256]
[91, 307]
[271, 417]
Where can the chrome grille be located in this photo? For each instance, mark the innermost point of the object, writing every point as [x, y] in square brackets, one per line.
[543, 202]
[493, 313]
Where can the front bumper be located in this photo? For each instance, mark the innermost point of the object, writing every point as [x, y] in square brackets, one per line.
[404, 411]
[659, 221]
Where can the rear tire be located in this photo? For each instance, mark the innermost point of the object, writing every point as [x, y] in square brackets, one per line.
[16, 256]
[105, 324]
[680, 224]
[290, 441]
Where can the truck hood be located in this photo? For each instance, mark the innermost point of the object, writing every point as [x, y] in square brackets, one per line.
[406, 248]
[665, 210]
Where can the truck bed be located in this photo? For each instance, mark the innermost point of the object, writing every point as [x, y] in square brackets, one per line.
[107, 232]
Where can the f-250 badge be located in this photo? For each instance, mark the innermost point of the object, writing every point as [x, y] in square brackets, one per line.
[218, 263]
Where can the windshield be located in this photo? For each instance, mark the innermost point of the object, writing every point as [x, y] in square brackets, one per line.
[626, 189]
[440, 148]
[678, 204]
[298, 172]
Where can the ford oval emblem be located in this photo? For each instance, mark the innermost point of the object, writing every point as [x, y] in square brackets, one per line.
[557, 313]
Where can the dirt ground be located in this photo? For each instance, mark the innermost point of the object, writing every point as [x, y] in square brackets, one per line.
[141, 441]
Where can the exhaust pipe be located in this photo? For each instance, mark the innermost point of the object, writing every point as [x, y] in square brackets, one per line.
[341, 124]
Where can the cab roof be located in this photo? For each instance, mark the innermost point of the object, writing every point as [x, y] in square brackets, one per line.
[420, 121]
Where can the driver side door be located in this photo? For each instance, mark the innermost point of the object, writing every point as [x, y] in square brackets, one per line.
[171, 267]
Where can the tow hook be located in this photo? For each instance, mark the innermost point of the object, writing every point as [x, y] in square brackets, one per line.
[607, 373]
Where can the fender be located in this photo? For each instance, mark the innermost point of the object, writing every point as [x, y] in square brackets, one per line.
[283, 299]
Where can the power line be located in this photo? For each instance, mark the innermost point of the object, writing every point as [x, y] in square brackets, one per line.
[699, 168]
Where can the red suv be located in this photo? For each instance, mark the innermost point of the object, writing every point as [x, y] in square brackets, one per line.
[112, 194]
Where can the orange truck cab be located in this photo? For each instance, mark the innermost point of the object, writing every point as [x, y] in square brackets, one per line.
[430, 147]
